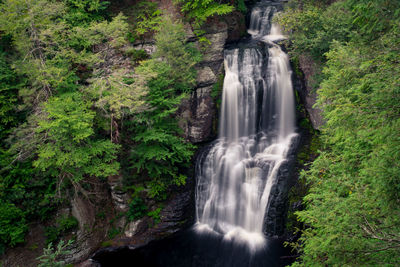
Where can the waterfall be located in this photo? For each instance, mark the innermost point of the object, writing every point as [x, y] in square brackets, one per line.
[257, 127]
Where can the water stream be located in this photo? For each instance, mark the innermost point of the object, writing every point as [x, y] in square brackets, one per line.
[238, 175]
[257, 128]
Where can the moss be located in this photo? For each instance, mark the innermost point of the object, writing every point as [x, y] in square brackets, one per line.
[307, 153]
[296, 66]
[106, 244]
[33, 247]
[101, 215]
[216, 91]
[296, 194]
[216, 94]
[155, 214]
[113, 232]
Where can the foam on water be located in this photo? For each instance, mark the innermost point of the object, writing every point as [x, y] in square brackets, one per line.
[257, 127]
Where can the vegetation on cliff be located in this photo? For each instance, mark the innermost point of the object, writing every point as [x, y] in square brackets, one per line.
[352, 213]
[72, 87]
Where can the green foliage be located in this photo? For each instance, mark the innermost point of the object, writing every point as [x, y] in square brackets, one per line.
[62, 93]
[8, 96]
[137, 55]
[352, 208]
[155, 215]
[198, 11]
[23, 197]
[159, 150]
[51, 51]
[217, 90]
[146, 18]
[314, 28]
[42, 71]
[21, 185]
[137, 209]
[70, 151]
[101, 215]
[50, 56]
[113, 232]
[373, 18]
[241, 6]
[12, 225]
[106, 244]
[67, 223]
[85, 11]
[116, 94]
[50, 257]
[62, 226]
[178, 56]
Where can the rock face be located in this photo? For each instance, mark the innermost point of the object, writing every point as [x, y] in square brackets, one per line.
[87, 236]
[274, 223]
[118, 195]
[198, 113]
[309, 95]
[84, 212]
[274, 219]
[197, 117]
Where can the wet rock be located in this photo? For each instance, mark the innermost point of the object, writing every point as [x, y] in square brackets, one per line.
[215, 51]
[274, 220]
[236, 26]
[197, 115]
[118, 195]
[88, 263]
[132, 228]
[205, 77]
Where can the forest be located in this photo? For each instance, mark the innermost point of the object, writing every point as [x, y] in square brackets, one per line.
[352, 205]
[79, 104]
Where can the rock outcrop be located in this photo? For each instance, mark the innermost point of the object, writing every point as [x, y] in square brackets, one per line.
[199, 113]
[197, 117]
[309, 94]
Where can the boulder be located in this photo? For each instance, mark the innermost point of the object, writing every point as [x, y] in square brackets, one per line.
[205, 77]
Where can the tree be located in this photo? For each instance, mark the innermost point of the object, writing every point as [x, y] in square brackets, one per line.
[198, 11]
[159, 151]
[12, 225]
[352, 213]
[71, 150]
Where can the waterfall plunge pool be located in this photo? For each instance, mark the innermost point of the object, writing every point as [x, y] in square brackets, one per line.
[188, 249]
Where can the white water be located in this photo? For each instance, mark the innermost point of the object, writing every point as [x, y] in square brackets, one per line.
[257, 126]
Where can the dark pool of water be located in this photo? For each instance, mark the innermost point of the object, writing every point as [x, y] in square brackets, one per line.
[188, 249]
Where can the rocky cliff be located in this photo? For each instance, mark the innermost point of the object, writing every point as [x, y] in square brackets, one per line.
[198, 118]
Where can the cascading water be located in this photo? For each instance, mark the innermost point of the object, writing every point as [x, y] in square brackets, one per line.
[257, 128]
[242, 177]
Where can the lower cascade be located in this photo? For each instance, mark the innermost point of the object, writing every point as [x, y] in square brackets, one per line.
[256, 135]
